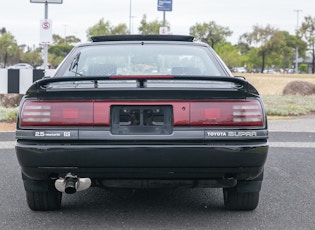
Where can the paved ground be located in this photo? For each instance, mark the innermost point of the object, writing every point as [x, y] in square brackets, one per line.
[299, 124]
[287, 199]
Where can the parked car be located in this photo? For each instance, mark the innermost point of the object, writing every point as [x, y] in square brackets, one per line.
[21, 66]
[42, 67]
[239, 70]
[270, 71]
[140, 112]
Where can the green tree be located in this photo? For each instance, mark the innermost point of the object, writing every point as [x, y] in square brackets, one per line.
[252, 59]
[303, 68]
[308, 32]
[60, 48]
[266, 39]
[151, 27]
[119, 29]
[9, 50]
[32, 57]
[57, 39]
[71, 40]
[288, 46]
[230, 55]
[105, 28]
[281, 53]
[3, 30]
[210, 33]
[57, 53]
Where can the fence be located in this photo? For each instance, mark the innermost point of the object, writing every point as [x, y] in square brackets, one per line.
[17, 81]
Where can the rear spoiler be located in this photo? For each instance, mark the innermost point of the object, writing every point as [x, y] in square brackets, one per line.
[40, 86]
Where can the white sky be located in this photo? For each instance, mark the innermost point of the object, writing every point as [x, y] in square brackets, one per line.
[22, 18]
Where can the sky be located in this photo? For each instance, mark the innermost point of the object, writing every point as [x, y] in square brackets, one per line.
[73, 17]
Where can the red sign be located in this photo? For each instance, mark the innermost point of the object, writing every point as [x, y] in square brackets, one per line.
[45, 32]
[46, 25]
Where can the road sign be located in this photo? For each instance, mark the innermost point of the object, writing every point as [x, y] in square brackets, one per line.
[47, 1]
[163, 30]
[45, 32]
[164, 5]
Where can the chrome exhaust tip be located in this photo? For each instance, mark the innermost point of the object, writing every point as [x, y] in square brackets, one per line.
[72, 184]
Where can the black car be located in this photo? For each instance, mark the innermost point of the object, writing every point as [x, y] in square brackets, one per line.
[139, 112]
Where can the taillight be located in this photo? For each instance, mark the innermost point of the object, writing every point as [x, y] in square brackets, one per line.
[226, 113]
[57, 113]
[97, 113]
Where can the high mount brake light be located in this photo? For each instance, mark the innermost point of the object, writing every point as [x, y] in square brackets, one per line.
[140, 77]
[237, 113]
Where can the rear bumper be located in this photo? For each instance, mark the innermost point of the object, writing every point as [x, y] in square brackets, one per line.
[179, 161]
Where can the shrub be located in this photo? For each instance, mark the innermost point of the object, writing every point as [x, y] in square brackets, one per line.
[289, 105]
[303, 68]
[8, 114]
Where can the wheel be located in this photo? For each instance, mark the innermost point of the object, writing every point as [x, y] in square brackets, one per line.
[235, 200]
[41, 195]
[44, 200]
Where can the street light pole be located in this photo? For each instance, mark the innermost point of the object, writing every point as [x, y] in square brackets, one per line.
[130, 17]
[296, 48]
[46, 2]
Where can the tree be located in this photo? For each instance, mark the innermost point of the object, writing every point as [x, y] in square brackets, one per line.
[303, 68]
[31, 56]
[60, 48]
[9, 50]
[3, 30]
[119, 29]
[266, 39]
[67, 40]
[252, 59]
[230, 55]
[57, 53]
[210, 33]
[308, 32]
[105, 28]
[288, 46]
[151, 27]
[280, 52]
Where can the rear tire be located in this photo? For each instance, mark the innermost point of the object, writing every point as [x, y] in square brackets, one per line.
[41, 195]
[44, 201]
[235, 200]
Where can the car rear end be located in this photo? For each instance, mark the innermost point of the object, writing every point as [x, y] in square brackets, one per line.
[147, 113]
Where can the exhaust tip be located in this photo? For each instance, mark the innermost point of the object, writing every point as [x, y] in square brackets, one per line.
[70, 190]
[72, 184]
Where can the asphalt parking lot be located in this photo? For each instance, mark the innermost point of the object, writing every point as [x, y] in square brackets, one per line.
[287, 198]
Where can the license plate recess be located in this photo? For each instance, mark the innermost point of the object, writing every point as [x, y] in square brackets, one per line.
[139, 120]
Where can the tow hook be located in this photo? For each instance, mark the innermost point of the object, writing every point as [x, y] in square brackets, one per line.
[71, 184]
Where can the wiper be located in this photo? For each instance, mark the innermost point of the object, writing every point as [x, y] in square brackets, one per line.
[76, 73]
[75, 65]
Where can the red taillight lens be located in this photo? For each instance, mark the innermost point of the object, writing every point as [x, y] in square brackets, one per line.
[53, 113]
[226, 113]
[97, 113]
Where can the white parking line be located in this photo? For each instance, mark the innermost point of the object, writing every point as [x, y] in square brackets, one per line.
[10, 144]
[292, 144]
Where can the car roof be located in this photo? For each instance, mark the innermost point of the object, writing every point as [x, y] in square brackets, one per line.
[22, 63]
[141, 37]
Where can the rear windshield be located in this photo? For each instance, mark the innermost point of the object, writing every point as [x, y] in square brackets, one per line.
[147, 59]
